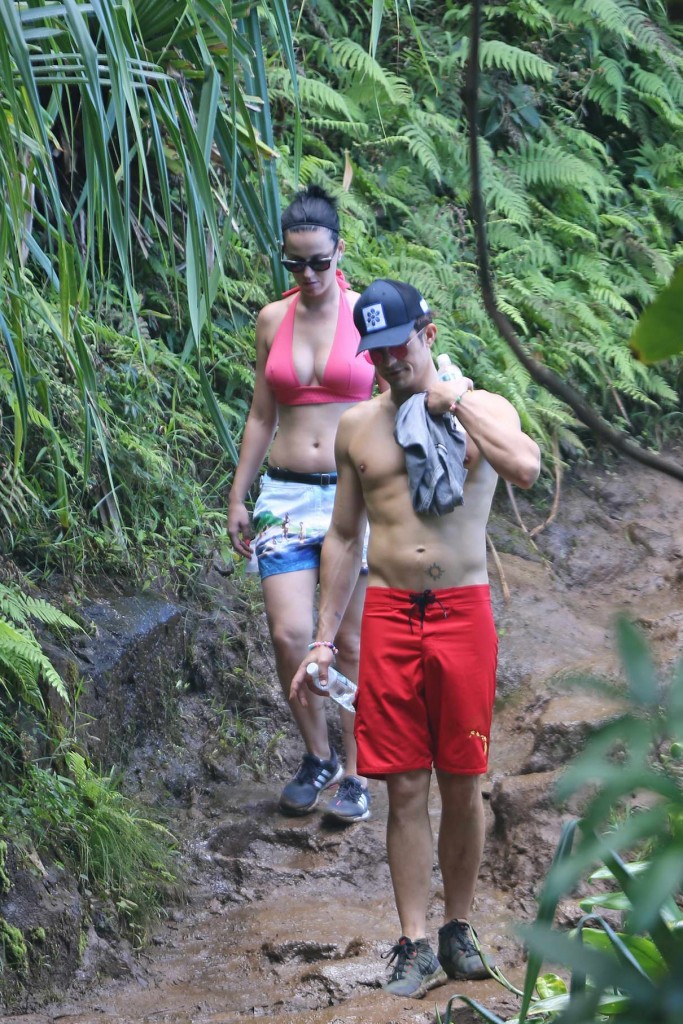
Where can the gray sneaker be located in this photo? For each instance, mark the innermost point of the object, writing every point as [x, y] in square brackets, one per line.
[350, 803]
[301, 793]
[458, 953]
[416, 970]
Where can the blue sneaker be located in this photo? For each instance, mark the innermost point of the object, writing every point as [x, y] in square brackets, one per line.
[351, 802]
[301, 793]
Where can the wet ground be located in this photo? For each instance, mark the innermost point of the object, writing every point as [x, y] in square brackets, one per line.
[287, 919]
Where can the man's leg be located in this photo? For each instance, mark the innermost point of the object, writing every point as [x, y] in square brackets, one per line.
[415, 968]
[461, 844]
[461, 840]
[410, 848]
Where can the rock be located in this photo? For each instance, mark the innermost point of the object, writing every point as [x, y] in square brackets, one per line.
[527, 827]
[564, 725]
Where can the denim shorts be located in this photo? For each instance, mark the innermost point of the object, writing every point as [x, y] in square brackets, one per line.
[290, 522]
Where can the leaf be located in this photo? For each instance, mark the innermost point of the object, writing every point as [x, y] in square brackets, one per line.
[659, 332]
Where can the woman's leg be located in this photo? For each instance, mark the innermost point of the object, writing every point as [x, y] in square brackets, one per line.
[348, 644]
[289, 600]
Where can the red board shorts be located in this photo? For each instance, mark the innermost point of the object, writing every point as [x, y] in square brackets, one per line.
[427, 681]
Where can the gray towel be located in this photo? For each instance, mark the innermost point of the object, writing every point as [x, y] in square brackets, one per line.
[435, 455]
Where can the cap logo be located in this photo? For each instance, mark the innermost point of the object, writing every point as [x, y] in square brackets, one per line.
[374, 317]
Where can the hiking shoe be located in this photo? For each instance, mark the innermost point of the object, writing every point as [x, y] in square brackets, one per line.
[415, 970]
[301, 793]
[458, 953]
[351, 802]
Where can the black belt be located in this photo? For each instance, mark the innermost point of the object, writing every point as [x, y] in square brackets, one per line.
[321, 479]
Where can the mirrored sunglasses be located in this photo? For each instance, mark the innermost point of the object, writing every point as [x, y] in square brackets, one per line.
[318, 264]
[377, 355]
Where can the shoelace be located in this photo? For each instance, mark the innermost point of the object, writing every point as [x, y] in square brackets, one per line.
[464, 942]
[404, 950]
[349, 789]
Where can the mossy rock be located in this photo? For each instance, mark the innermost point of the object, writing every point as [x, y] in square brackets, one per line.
[13, 946]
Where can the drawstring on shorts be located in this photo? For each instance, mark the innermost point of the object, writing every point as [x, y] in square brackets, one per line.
[421, 601]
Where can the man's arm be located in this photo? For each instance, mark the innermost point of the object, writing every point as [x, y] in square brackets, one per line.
[494, 426]
[340, 560]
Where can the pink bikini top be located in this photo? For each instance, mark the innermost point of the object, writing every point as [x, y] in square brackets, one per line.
[347, 377]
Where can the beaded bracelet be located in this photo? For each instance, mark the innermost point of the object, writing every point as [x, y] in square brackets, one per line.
[456, 401]
[324, 643]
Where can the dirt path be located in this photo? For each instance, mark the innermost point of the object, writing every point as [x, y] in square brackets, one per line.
[287, 919]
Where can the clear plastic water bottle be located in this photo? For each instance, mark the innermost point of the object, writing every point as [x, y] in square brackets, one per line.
[340, 688]
[446, 369]
[449, 371]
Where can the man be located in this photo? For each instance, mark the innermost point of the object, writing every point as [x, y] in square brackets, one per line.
[428, 644]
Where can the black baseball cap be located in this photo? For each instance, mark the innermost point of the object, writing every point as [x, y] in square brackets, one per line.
[385, 313]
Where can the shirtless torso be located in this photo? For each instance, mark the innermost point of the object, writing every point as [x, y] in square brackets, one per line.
[406, 550]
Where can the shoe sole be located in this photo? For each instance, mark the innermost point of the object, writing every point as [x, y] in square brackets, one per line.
[346, 819]
[477, 975]
[428, 983]
[294, 811]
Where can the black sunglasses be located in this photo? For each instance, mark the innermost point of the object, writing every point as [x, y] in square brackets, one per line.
[318, 264]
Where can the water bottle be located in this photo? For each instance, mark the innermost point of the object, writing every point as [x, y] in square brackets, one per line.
[449, 371]
[446, 369]
[340, 688]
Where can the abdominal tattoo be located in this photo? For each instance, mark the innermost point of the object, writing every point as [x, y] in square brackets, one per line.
[435, 572]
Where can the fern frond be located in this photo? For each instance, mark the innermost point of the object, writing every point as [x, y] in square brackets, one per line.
[24, 661]
[521, 64]
[551, 166]
[506, 194]
[421, 146]
[20, 607]
[356, 58]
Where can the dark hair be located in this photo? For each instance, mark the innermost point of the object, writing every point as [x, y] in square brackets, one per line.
[423, 321]
[310, 209]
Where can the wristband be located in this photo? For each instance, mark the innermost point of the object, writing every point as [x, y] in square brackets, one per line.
[456, 401]
[324, 643]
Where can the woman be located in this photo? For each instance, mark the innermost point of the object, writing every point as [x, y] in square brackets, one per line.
[307, 375]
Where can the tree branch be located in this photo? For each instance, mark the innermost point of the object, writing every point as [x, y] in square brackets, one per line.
[540, 373]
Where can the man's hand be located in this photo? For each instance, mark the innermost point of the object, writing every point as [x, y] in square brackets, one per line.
[302, 681]
[239, 529]
[442, 395]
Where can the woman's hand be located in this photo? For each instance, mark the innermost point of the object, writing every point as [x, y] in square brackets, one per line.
[239, 529]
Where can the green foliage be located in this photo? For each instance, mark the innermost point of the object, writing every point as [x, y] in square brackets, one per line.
[581, 123]
[633, 973]
[50, 797]
[13, 951]
[135, 151]
[659, 331]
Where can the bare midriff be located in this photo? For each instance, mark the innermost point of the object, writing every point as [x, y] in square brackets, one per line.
[304, 442]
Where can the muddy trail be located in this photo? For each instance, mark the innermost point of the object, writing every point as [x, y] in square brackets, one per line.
[287, 919]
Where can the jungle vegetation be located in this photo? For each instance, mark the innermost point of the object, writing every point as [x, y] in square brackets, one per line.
[145, 149]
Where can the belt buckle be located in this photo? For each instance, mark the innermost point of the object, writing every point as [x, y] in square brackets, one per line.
[325, 479]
